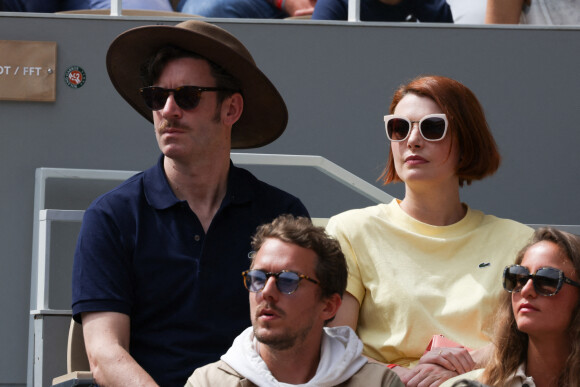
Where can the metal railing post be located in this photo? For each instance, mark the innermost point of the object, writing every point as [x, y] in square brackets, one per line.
[116, 7]
[353, 10]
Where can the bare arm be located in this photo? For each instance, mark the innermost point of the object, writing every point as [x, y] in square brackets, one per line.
[453, 359]
[430, 375]
[503, 11]
[299, 7]
[347, 313]
[423, 374]
[440, 364]
[107, 337]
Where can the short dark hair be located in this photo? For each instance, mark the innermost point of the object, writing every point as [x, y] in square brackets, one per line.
[467, 126]
[331, 270]
[152, 68]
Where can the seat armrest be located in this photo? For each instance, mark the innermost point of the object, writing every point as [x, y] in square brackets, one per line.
[76, 378]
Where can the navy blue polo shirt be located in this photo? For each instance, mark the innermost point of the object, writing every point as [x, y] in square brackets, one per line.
[143, 252]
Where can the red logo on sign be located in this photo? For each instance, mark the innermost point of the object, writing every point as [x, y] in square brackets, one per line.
[75, 77]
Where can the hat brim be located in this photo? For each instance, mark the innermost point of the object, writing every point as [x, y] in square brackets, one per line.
[264, 117]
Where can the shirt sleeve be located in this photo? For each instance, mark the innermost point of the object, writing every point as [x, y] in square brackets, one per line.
[102, 279]
[355, 284]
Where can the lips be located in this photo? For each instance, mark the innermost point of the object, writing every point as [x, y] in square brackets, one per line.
[269, 311]
[167, 127]
[527, 307]
[415, 159]
[170, 131]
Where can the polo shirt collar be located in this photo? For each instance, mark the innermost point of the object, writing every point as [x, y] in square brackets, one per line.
[160, 195]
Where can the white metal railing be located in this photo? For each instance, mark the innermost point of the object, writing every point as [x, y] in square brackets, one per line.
[320, 163]
[42, 227]
[45, 219]
[116, 7]
[353, 10]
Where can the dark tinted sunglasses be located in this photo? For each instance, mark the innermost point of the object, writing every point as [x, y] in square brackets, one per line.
[432, 127]
[186, 97]
[547, 280]
[286, 281]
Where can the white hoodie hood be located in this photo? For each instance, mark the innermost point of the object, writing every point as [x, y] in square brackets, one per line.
[340, 359]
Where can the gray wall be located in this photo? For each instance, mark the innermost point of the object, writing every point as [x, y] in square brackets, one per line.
[337, 80]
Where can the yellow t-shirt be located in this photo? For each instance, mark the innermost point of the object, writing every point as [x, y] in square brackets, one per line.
[414, 280]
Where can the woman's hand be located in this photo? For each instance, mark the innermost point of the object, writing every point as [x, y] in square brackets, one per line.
[424, 375]
[452, 359]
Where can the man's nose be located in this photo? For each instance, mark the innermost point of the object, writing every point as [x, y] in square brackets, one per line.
[171, 107]
[270, 288]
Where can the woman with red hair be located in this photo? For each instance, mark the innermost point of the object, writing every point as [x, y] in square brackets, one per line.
[428, 264]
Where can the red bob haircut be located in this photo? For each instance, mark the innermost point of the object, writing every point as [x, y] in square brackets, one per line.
[479, 156]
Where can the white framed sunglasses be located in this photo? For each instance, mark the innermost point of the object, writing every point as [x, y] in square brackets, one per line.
[432, 127]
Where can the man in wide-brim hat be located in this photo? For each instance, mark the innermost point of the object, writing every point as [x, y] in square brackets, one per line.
[156, 272]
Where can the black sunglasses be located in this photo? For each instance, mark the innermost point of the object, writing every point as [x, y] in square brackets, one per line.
[186, 97]
[432, 127]
[547, 280]
[286, 281]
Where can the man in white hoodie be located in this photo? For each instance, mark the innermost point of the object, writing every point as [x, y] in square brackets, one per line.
[296, 280]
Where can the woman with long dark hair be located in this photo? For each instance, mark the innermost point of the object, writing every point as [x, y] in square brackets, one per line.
[538, 337]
